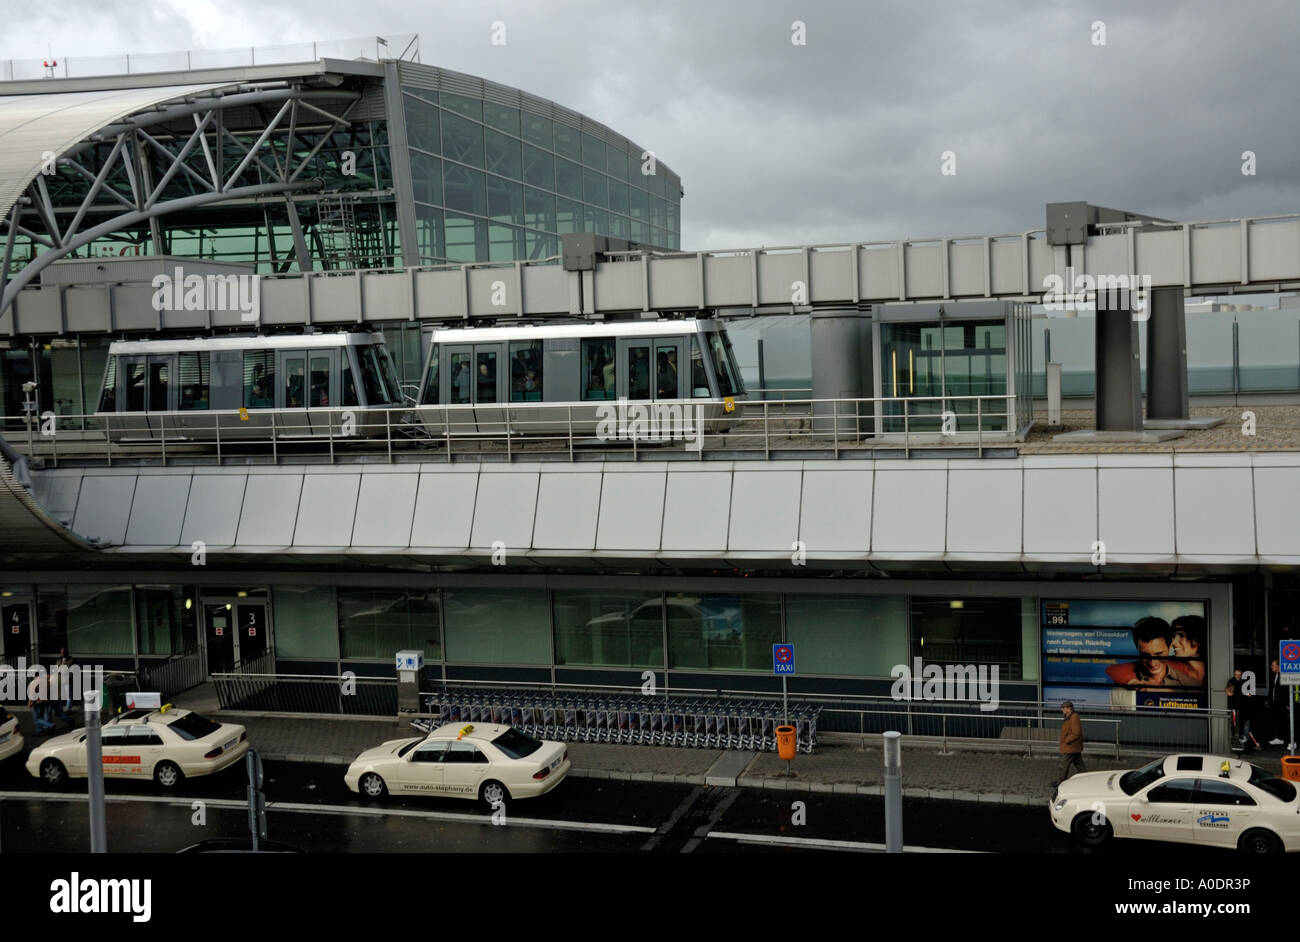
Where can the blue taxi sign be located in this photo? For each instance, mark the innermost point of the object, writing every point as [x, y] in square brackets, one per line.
[1288, 659]
[783, 659]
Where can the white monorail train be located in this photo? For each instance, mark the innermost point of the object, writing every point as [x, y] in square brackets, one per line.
[658, 377]
[305, 386]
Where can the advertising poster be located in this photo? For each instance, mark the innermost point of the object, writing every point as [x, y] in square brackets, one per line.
[1108, 653]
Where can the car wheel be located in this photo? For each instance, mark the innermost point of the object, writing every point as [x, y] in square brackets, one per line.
[493, 793]
[167, 774]
[53, 773]
[372, 786]
[1090, 833]
[1258, 841]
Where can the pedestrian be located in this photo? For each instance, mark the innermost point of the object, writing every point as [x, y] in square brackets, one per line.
[63, 704]
[40, 706]
[1276, 703]
[1240, 706]
[1071, 746]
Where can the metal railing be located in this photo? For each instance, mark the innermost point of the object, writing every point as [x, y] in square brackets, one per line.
[174, 675]
[682, 428]
[306, 693]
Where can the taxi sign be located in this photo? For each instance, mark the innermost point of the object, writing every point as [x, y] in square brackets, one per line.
[143, 701]
[410, 660]
[783, 659]
[1288, 660]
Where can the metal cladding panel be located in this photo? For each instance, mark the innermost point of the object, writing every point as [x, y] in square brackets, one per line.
[728, 281]
[213, 512]
[387, 296]
[283, 300]
[57, 493]
[489, 285]
[385, 509]
[444, 509]
[829, 272]
[1277, 510]
[1008, 267]
[327, 509]
[674, 282]
[38, 312]
[966, 269]
[104, 507]
[924, 271]
[1215, 512]
[132, 305]
[158, 512]
[1042, 261]
[984, 509]
[835, 515]
[334, 300]
[774, 281]
[879, 268]
[270, 510]
[1274, 249]
[631, 511]
[442, 293]
[697, 505]
[764, 511]
[505, 510]
[1158, 254]
[568, 507]
[1060, 511]
[546, 289]
[1136, 510]
[909, 512]
[1216, 254]
[620, 288]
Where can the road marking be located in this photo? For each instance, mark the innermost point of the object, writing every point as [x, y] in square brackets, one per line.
[346, 810]
[715, 815]
[827, 843]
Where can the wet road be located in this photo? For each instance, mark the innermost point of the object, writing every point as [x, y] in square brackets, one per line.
[310, 808]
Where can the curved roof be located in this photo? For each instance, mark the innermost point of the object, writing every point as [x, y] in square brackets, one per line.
[33, 125]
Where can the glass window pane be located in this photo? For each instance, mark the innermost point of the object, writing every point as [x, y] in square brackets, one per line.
[462, 140]
[526, 371]
[567, 142]
[498, 626]
[593, 151]
[466, 190]
[609, 629]
[460, 371]
[699, 377]
[568, 216]
[505, 243]
[159, 383]
[259, 379]
[537, 130]
[377, 623]
[539, 168]
[294, 383]
[728, 381]
[422, 125]
[486, 376]
[539, 209]
[594, 187]
[618, 197]
[503, 155]
[428, 232]
[722, 632]
[847, 634]
[541, 245]
[505, 200]
[163, 624]
[426, 178]
[595, 220]
[639, 203]
[473, 107]
[431, 390]
[568, 179]
[306, 622]
[319, 391]
[968, 631]
[620, 226]
[666, 372]
[598, 369]
[638, 372]
[99, 620]
[501, 117]
[373, 379]
[108, 396]
[195, 378]
[616, 162]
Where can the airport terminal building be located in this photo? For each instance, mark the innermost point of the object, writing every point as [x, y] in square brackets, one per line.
[392, 196]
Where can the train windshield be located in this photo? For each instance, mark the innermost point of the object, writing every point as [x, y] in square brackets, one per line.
[724, 365]
[377, 378]
[429, 397]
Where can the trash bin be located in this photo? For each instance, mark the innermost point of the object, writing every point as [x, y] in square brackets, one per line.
[1291, 768]
[786, 742]
[116, 686]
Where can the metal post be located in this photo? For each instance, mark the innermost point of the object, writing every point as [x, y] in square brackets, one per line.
[1291, 746]
[893, 792]
[762, 374]
[1236, 359]
[95, 775]
[785, 711]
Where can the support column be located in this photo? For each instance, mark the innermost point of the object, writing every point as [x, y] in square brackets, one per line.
[1166, 355]
[1119, 382]
[837, 370]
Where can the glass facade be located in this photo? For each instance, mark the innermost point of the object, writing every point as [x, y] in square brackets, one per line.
[940, 359]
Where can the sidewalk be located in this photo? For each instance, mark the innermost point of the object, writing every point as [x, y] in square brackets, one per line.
[842, 765]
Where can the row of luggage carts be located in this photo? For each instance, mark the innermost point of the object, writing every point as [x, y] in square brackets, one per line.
[699, 722]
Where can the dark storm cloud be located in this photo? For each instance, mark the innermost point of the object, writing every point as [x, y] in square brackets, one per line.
[841, 139]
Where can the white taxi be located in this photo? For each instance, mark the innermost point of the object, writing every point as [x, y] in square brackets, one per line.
[11, 741]
[1189, 799]
[166, 745]
[488, 761]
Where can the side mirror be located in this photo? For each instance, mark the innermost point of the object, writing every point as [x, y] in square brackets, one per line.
[1145, 800]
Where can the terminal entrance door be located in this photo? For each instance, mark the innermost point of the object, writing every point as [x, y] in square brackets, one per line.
[235, 633]
[16, 617]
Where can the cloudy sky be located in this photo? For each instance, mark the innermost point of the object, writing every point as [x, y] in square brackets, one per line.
[839, 139]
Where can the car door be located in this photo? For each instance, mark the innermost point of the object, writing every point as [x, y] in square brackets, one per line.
[147, 745]
[421, 772]
[465, 767]
[1164, 811]
[1223, 812]
[118, 756]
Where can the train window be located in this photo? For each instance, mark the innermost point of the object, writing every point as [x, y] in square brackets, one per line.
[699, 378]
[108, 396]
[346, 384]
[294, 381]
[135, 383]
[372, 377]
[459, 378]
[723, 365]
[195, 379]
[526, 371]
[319, 394]
[487, 376]
[638, 372]
[666, 372]
[598, 369]
[390, 375]
[431, 393]
[259, 379]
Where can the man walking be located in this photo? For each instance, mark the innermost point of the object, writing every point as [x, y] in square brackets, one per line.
[1071, 746]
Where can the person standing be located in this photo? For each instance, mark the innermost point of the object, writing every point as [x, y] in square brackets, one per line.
[1276, 705]
[1071, 744]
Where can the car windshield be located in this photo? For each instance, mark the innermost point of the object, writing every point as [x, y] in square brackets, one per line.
[515, 744]
[193, 726]
[1275, 786]
[1133, 782]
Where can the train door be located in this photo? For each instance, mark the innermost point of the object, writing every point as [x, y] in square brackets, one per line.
[650, 372]
[322, 388]
[16, 619]
[291, 397]
[460, 388]
[489, 387]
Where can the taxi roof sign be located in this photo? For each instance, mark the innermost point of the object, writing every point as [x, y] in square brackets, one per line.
[143, 701]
